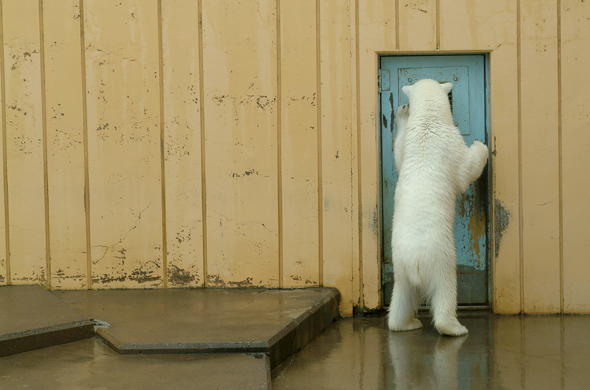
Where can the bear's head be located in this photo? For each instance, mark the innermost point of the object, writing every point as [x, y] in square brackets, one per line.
[427, 87]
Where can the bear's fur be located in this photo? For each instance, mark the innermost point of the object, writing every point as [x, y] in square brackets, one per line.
[434, 167]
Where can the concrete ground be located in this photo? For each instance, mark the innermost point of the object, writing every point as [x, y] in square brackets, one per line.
[519, 352]
[235, 339]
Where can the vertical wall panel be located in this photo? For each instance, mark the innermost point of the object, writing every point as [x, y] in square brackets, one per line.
[65, 147]
[239, 49]
[4, 266]
[4, 277]
[476, 25]
[337, 149]
[376, 33]
[540, 163]
[417, 25]
[492, 26]
[354, 157]
[182, 142]
[505, 239]
[575, 62]
[24, 137]
[299, 150]
[124, 143]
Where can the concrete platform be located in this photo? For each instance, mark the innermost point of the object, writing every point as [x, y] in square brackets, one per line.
[275, 322]
[89, 364]
[31, 318]
[203, 339]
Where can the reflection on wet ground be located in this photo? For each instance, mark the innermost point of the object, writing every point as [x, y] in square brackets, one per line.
[517, 352]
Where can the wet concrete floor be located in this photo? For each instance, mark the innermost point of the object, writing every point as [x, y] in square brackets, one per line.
[516, 352]
[90, 364]
[163, 338]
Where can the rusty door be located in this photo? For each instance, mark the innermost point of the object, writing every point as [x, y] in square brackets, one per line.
[469, 106]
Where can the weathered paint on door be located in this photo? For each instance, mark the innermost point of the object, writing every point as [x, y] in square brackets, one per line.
[468, 104]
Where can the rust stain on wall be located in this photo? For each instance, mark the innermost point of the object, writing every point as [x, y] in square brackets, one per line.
[477, 222]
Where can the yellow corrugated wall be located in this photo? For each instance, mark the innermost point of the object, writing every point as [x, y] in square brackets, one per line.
[184, 143]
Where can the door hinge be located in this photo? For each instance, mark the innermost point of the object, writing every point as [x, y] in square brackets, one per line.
[383, 80]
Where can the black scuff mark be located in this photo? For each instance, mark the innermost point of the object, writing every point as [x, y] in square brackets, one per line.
[502, 218]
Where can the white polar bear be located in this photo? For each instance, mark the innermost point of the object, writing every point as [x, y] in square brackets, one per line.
[434, 166]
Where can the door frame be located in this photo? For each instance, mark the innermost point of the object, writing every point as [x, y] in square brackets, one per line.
[487, 172]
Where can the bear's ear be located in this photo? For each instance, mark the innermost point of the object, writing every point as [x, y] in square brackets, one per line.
[447, 87]
[407, 90]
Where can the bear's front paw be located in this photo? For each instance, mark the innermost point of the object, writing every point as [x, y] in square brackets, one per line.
[480, 148]
[403, 112]
[479, 144]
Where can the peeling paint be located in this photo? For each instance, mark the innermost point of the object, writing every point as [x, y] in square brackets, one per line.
[249, 172]
[105, 278]
[502, 218]
[216, 281]
[137, 275]
[141, 276]
[418, 6]
[183, 236]
[375, 221]
[472, 206]
[261, 101]
[180, 277]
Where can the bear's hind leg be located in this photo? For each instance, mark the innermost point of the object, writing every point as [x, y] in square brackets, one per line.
[444, 305]
[402, 310]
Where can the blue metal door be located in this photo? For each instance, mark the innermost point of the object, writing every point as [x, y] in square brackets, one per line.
[468, 104]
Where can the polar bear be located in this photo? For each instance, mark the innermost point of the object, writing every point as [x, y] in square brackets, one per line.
[434, 167]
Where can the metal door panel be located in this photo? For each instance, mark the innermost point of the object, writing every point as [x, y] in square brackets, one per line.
[467, 73]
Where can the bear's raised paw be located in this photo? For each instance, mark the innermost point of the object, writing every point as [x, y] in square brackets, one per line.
[403, 112]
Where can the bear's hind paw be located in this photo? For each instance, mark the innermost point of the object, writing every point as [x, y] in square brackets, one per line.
[412, 324]
[451, 329]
